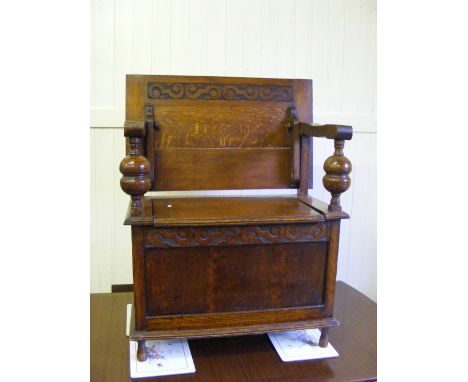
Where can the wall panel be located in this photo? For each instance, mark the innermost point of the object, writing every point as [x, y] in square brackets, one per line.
[216, 38]
[161, 37]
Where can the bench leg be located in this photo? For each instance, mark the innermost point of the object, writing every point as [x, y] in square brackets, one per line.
[323, 343]
[141, 352]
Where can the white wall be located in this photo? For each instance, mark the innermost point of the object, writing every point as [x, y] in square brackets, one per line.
[332, 42]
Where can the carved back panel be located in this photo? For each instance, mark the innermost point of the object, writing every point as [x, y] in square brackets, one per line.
[218, 132]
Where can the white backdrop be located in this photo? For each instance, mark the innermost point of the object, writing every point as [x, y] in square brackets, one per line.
[332, 42]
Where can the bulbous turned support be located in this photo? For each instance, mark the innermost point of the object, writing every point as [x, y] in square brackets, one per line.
[337, 167]
[337, 180]
[135, 167]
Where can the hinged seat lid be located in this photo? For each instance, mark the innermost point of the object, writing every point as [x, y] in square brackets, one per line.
[232, 210]
[211, 211]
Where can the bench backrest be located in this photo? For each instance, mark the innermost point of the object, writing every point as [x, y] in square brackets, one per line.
[216, 133]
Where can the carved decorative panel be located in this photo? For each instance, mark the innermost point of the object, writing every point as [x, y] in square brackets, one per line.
[166, 90]
[235, 235]
[235, 125]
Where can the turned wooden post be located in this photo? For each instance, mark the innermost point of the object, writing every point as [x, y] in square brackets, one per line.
[135, 167]
[323, 342]
[336, 181]
[142, 354]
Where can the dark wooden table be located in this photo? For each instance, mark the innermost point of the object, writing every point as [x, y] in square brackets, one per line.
[247, 358]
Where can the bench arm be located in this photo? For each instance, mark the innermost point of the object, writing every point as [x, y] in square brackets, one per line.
[337, 167]
[339, 132]
[135, 167]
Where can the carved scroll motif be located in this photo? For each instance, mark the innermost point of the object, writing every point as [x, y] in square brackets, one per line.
[163, 90]
[237, 235]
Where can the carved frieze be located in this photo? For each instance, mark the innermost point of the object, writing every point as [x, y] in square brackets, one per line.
[236, 92]
[234, 235]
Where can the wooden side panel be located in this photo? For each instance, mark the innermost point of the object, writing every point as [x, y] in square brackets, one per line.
[220, 169]
[225, 279]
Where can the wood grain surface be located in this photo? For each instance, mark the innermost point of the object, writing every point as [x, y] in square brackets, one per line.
[232, 210]
[220, 169]
[245, 358]
[218, 133]
[184, 281]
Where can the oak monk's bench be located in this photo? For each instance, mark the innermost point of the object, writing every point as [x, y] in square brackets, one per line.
[216, 266]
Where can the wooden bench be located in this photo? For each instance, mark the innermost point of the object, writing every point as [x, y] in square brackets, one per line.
[215, 266]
